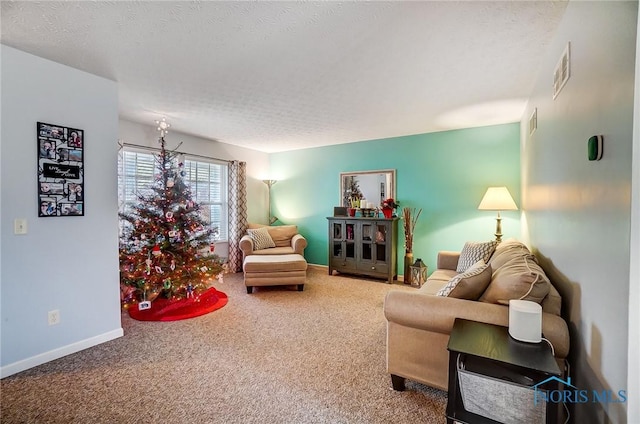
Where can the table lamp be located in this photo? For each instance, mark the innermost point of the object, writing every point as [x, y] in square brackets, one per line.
[498, 199]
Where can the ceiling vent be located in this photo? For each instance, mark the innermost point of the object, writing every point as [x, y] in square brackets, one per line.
[562, 72]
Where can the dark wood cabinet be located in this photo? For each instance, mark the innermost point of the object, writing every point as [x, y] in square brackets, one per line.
[365, 246]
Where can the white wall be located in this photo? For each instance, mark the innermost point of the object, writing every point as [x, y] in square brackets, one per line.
[577, 212]
[64, 263]
[257, 162]
[633, 374]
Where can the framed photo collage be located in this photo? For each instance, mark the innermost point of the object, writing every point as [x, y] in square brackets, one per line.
[60, 170]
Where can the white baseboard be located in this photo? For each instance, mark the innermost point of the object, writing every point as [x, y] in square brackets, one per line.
[45, 357]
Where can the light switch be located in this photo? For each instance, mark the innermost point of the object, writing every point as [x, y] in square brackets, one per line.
[20, 226]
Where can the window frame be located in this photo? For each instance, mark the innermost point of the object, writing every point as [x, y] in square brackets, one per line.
[124, 191]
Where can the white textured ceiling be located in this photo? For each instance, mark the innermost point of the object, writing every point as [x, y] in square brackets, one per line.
[277, 76]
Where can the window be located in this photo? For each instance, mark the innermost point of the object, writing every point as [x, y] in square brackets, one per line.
[207, 180]
[208, 184]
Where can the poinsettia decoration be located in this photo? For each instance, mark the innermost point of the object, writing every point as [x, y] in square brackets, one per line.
[390, 203]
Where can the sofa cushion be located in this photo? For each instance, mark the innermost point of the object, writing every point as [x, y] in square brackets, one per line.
[552, 302]
[437, 280]
[470, 284]
[472, 252]
[282, 234]
[516, 275]
[505, 251]
[261, 238]
[274, 263]
[442, 276]
[288, 250]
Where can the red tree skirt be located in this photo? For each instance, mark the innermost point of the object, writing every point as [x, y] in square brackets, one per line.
[176, 309]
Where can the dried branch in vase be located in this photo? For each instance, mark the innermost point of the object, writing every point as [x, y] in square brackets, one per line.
[409, 218]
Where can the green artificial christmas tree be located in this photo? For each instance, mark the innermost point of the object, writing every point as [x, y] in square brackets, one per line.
[352, 193]
[166, 245]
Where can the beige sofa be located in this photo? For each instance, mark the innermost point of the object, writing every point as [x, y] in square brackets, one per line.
[286, 240]
[419, 322]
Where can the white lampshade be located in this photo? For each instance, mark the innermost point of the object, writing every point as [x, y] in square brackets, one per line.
[497, 199]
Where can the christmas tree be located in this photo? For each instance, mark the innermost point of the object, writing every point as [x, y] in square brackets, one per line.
[352, 191]
[166, 244]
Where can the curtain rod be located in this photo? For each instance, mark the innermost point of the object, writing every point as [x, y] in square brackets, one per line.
[138, 146]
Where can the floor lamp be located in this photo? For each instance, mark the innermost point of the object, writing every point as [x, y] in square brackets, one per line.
[269, 183]
[498, 199]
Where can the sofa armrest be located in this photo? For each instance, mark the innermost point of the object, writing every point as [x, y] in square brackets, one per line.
[437, 314]
[298, 243]
[448, 260]
[246, 245]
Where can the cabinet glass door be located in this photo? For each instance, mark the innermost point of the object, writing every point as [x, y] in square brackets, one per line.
[349, 240]
[368, 231]
[350, 250]
[337, 242]
[337, 230]
[336, 249]
[381, 242]
[350, 231]
[343, 243]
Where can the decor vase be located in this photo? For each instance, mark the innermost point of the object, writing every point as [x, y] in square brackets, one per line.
[408, 261]
[387, 212]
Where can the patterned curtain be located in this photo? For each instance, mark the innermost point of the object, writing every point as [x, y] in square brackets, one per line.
[237, 212]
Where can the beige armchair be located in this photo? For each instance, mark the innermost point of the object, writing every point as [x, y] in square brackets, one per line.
[286, 238]
[273, 256]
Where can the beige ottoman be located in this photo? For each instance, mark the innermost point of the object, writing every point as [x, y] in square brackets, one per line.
[274, 270]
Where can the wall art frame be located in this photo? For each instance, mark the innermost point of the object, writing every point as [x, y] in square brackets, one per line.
[60, 170]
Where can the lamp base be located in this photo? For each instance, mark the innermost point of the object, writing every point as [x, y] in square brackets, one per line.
[498, 233]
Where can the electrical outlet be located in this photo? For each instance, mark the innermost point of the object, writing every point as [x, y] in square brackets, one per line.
[54, 317]
[20, 226]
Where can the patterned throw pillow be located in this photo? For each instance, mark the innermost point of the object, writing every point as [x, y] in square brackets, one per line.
[261, 238]
[470, 284]
[472, 252]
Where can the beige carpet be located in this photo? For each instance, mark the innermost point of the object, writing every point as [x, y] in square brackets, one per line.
[276, 356]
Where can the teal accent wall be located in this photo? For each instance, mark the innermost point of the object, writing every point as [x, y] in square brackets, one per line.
[444, 173]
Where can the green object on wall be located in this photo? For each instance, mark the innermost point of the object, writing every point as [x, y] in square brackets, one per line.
[594, 147]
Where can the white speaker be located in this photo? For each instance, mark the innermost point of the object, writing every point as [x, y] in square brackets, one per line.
[525, 321]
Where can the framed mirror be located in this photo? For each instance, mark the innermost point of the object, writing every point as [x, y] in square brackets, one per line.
[374, 186]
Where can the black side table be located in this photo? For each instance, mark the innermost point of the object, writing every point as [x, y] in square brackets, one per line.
[488, 350]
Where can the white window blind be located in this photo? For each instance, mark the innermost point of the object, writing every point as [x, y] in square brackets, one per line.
[208, 181]
[208, 184]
